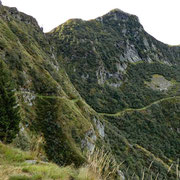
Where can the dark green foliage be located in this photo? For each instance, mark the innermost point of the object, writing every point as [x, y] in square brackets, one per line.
[87, 46]
[43, 84]
[133, 93]
[94, 48]
[154, 128]
[9, 110]
[57, 146]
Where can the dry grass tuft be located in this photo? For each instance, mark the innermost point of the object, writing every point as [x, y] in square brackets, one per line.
[102, 164]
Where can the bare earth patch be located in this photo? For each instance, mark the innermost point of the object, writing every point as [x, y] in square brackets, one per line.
[158, 82]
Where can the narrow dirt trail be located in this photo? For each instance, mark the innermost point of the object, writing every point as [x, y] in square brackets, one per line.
[139, 109]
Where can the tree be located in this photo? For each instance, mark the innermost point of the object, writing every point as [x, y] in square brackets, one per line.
[9, 109]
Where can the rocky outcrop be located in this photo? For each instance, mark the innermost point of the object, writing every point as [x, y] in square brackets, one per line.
[99, 126]
[89, 141]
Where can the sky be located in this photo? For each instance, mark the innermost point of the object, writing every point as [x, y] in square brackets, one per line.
[160, 18]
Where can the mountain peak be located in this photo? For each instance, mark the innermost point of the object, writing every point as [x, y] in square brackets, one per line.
[118, 12]
[118, 15]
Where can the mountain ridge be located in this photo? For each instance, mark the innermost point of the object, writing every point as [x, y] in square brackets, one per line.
[66, 77]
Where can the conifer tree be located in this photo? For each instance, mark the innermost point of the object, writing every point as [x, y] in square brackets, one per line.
[9, 110]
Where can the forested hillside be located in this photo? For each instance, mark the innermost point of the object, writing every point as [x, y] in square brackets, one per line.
[102, 88]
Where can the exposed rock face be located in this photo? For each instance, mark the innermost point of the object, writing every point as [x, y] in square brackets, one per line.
[158, 82]
[99, 126]
[89, 141]
[28, 97]
[131, 54]
[120, 173]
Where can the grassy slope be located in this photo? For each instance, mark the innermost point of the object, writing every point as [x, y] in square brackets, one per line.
[28, 54]
[16, 165]
[40, 77]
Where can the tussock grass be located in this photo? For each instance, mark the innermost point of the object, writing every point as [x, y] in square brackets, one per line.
[24, 177]
[10, 155]
[13, 166]
[85, 173]
[50, 171]
[102, 164]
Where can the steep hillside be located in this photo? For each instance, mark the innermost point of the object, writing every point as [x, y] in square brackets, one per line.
[109, 58]
[150, 133]
[103, 84]
[18, 165]
[132, 80]
[56, 122]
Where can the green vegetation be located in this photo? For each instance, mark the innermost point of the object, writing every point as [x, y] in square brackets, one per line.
[92, 51]
[60, 149]
[140, 109]
[139, 133]
[9, 110]
[40, 79]
[133, 93]
[63, 78]
[111, 61]
[18, 165]
[11, 155]
[14, 165]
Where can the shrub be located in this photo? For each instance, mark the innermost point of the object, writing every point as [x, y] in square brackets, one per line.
[9, 109]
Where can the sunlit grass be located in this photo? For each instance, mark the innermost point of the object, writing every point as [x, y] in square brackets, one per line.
[10, 155]
[100, 166]
[51, 171]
